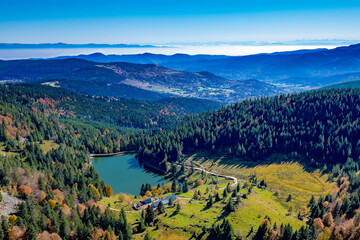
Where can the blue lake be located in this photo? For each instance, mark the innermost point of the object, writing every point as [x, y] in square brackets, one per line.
[125, 174]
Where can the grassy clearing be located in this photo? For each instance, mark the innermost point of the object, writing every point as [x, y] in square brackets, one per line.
[48, 145]
[288, 177]
[259, 204]
[194, 215]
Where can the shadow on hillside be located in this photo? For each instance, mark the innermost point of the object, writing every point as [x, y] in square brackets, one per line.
[232, 162]
[223, 215]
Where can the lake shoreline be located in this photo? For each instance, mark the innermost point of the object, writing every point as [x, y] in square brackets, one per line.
[93, 155]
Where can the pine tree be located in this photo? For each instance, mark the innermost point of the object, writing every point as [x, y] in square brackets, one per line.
[225, 194]
[178, 208]
[149, 215]
[210, 203]
[31, 232]
[185, 187]
[230, 206]
[173, 185]
[161, 208]
[64, 226]
[311, 202]
[141, 226]
[289, 198]
[217, 197]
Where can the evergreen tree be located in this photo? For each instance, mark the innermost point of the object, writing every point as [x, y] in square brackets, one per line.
[230, 206]
[178, 208]
[173, 185]
[161, 208]
[210, 203]
[185, 187]
[217, 197]
[31, 232]
[141, 226]
[289, 198]
[149, 215]
[312, 201]
[225, 194]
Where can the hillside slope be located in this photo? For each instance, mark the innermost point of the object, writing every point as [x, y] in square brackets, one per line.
[120, 112]
[124, 80]
[344, 85]
[320, 125]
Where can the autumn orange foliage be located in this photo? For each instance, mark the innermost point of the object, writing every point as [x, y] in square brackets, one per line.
[25, 191]
[108, 191]
[47, 236]
[15, 233]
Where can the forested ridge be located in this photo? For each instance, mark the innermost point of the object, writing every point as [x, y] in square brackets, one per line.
[321, 125]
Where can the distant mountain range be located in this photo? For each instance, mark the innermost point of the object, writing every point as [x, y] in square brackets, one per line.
[297, 70]
[129, 80]
[214, 77]
[66, 45]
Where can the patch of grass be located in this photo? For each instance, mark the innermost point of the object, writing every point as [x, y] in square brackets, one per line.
[261, 203]
[288, 177]
[48, 145]
[116, 203]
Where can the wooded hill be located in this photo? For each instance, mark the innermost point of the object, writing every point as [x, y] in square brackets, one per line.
[120, 112]
[321, 125]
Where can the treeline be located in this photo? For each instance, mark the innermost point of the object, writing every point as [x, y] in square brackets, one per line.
[321, 125]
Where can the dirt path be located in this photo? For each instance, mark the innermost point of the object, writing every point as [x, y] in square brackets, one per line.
[201, 168]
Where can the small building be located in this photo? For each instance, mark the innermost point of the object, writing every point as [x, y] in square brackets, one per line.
[164, 200]
[146, 201]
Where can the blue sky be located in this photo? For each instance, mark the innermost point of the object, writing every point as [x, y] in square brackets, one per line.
[160, 21]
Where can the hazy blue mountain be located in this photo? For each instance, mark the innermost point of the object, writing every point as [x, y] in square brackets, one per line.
[145, 58]
[296, 69]
[129, 80]
[287, 68]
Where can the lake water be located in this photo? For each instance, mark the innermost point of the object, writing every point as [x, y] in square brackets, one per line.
[124, 174]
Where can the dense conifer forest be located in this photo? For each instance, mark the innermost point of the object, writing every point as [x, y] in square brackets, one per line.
[322, 125]
[60, 190]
